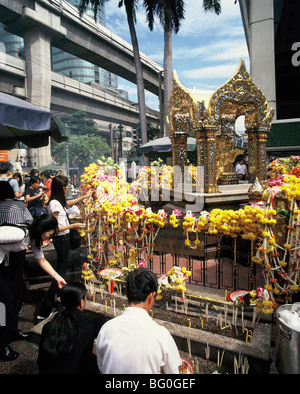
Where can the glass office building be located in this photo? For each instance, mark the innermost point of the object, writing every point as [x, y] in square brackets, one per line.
[81, 70]
[63, 62]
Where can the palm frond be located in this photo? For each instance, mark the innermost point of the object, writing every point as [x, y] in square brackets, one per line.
[213, 6]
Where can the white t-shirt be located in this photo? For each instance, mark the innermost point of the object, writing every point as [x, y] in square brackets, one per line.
[133, 343]
[13, 239]
[241, 169]
[55, 206]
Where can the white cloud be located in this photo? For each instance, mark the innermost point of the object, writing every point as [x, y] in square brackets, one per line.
[211, 72]
[206, 51]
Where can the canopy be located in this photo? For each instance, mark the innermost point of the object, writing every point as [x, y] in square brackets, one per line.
[164, 145]
[27, 123]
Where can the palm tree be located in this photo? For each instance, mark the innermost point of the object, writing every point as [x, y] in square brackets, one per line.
[130, 6]
[170, 14]
[212, 5]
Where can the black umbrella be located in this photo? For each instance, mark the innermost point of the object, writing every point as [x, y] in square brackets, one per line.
[27, 123]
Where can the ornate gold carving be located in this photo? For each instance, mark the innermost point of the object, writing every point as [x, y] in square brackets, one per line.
[226, 155]
[240, 95]
[214, 126]
[182, 108]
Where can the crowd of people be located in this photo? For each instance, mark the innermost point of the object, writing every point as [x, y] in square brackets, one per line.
[73, 341]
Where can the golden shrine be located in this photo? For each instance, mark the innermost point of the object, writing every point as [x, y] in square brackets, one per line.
[213, 122]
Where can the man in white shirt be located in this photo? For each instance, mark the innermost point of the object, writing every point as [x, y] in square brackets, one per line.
[241, 169]
[133, 343]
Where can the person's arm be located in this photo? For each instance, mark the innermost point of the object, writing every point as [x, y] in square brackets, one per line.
[18, 194]
[47, 267]
[14, 184]
[31, 198]
[79, 199]
[68, 226]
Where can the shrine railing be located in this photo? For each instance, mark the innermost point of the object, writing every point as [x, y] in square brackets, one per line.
[221, 263]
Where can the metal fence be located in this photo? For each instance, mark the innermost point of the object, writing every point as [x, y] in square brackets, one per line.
[226, 263]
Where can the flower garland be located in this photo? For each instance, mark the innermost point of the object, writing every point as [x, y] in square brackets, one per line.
[150, 179]
[174, 280]
[281, 263]
[118, 230]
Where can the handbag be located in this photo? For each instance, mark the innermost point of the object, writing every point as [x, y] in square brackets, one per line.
[75, 239]
[38, 211]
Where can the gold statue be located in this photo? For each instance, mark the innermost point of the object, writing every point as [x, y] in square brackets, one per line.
[226, 155]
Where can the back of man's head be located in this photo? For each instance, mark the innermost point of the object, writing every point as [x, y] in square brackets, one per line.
[140, 283]
[4, 167]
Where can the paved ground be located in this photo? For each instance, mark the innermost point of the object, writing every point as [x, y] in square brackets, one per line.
[26, 362]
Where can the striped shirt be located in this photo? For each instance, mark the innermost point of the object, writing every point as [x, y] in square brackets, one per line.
[14, 212]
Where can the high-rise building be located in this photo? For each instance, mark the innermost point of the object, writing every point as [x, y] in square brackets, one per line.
[272, 33]
[65, 63]
[81, 70]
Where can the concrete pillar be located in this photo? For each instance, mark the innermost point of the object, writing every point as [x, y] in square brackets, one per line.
[38, 81]
[262, 59]
[38, 66]
[38, 25]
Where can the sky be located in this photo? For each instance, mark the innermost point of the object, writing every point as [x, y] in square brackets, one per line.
[206, 51]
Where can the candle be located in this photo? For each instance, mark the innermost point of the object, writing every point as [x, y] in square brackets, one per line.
[105, 306]
[114, 307]
[201, 321]
[190, 323]
[207, 351]
[189, 347]
[246, 335]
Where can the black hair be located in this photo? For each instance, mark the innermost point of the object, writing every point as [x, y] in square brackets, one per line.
[39, 226]
[46, 174]
[19, 176]
[33, 179]
[63, 330]
[57, 189]
[140, 283]
[6, 190]
[4, 167]
[34, 172]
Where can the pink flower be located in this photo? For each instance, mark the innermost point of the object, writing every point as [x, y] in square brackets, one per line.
[260, 292]
[177, 212]
[142, 264]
